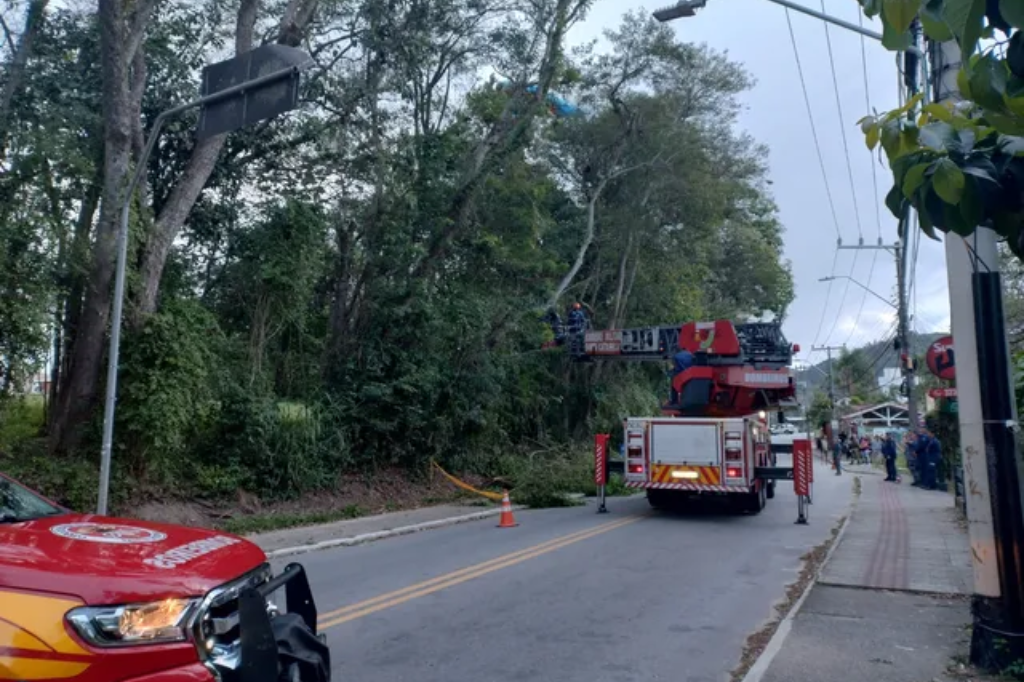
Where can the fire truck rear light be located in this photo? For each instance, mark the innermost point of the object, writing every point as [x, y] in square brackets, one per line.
[634, 452]
[733, 472]
[733, 435]
[733, 454]
[636, 468]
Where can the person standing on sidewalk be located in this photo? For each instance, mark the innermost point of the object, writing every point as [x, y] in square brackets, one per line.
[932, 455]
[889, 452]
[837, 457]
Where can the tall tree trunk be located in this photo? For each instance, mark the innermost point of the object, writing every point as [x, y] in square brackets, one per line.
[620, 286]
[34, 16]
[581, 252]
[120, 36]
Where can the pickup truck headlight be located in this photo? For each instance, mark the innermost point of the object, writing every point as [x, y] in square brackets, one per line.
[153, 623]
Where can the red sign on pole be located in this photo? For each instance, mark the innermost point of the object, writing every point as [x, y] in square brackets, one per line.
[601, 458]
[803, 467]
[942, 392]
[941, 359]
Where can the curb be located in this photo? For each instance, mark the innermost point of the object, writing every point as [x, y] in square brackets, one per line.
[774, 646]
[383, 534]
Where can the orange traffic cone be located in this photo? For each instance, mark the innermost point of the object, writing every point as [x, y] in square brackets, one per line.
[507, 520]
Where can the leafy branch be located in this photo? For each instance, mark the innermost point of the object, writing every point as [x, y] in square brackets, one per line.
[959, 165]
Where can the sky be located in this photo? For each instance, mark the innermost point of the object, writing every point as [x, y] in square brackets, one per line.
[755, 33]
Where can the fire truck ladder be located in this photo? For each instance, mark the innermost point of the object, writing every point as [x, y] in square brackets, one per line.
[738, 369]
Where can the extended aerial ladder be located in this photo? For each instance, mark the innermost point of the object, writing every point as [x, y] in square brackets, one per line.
[737, 370]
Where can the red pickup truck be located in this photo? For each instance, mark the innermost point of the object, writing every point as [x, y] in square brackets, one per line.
[87, 598]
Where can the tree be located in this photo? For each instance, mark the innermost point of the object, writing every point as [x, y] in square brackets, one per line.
[356, 285]
[819, 411]
[856, 377]
[959, 166]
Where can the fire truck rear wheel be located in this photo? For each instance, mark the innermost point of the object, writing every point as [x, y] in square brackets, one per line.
[658, 499]
[754, 501]
[770, 493]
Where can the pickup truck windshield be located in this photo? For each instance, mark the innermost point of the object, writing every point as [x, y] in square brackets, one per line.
[20, 504]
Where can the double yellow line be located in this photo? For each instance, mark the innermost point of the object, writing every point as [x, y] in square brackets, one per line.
[422, 589]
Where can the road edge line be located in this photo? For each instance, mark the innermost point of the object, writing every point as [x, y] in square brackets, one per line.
[384, 534]
[774, 646]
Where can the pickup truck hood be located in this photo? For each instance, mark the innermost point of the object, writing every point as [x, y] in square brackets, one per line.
[103, 560]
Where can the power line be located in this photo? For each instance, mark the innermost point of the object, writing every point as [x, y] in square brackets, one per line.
[828, 297]
[874, 182]
[814, 128]
[842, 301]
[842, 124]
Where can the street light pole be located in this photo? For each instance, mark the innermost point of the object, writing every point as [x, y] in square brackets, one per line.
[246, 87]
[687, 8]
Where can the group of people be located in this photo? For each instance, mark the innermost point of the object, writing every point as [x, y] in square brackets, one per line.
[922, 449]
[924, 452]
[578, 322]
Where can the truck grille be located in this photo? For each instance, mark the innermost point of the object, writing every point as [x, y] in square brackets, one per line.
[216, 625]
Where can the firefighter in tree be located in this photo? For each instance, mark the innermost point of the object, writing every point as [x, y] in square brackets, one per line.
[578, 324]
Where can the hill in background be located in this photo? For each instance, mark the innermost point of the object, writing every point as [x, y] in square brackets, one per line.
[880, 355]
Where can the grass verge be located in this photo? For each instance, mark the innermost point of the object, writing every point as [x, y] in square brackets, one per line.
[262, 523]
[756, 643]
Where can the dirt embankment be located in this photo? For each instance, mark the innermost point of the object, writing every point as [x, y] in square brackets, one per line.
[355, 496]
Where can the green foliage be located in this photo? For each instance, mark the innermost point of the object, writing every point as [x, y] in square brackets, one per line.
[855, 377]
[959, 166]
[167, 387]
[946, 427]
[21, 419]
[359, 284]
[261, 524]
[819, 410]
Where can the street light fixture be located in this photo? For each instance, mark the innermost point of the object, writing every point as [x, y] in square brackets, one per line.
[851, 279]
[684, 8]
[256, 85]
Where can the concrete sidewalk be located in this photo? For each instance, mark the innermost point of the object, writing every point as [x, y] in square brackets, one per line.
[354, 531]
[892, 603]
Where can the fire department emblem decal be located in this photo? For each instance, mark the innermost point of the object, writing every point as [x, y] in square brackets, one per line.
[110, 533]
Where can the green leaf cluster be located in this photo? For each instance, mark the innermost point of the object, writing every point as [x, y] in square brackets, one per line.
[960, 166]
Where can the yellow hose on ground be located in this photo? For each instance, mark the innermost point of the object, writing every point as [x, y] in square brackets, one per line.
[497, 497]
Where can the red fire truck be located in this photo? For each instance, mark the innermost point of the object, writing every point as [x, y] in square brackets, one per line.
[712, 439]
[86, 598]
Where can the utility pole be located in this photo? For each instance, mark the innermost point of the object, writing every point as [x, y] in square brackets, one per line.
[831, 392]
[903, 349]
[902, 308]
[986, 414]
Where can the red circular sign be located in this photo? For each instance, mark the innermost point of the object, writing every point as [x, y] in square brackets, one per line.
[941, 359]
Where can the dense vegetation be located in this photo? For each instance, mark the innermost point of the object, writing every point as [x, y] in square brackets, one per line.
[357, 285]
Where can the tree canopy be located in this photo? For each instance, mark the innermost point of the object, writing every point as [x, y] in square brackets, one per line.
[361, 283]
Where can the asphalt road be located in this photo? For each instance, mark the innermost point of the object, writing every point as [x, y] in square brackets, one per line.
[569, 595]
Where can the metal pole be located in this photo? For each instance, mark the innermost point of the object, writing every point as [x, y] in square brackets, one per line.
[904, 318]
[110, 402]
[828, 18]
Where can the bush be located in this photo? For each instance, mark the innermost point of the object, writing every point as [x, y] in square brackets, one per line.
[21, 419]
